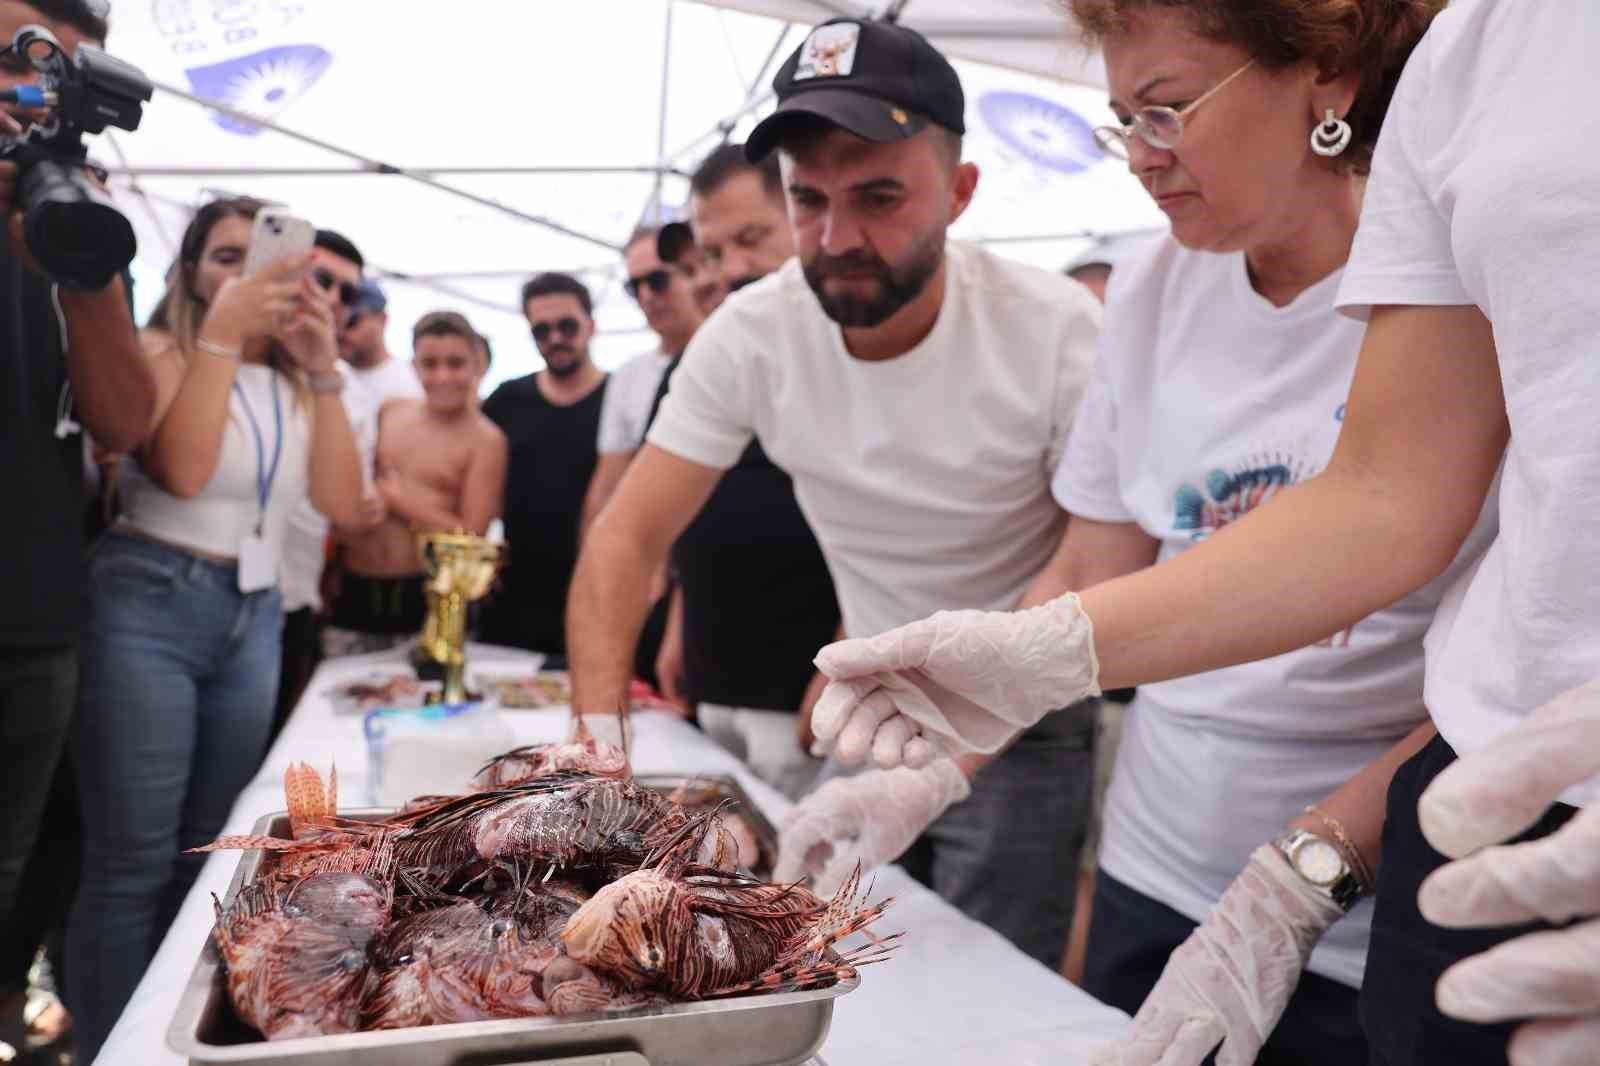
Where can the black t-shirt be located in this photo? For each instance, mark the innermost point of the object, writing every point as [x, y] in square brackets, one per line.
[552, 458]
[41, 476]
[758, 600]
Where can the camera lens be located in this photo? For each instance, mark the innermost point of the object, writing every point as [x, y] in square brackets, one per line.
[72, 228]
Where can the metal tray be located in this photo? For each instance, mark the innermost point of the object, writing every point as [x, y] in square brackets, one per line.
[782, 1029]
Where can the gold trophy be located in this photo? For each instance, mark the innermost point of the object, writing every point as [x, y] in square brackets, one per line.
[461, 568]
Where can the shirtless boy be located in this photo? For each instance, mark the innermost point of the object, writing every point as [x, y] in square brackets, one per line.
[441, 466]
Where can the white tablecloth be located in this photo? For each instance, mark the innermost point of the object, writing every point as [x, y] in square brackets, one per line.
[955, 992]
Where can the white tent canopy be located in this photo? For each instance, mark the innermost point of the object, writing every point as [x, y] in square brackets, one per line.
[547, 132]
[1025, 35]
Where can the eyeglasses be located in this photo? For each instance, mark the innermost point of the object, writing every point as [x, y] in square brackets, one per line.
[658, 280]
[567, 327]
[1159, 127]
[349, 291]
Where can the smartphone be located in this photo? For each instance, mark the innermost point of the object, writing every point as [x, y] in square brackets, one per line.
[277, 235]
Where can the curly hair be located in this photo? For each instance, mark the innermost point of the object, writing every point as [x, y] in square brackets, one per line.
[1372, 37]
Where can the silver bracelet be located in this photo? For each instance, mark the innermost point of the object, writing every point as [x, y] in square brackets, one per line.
[327, 382]
[218, 350]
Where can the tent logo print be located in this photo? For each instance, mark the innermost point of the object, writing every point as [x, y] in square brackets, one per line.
[1041, 131]
[263, 83]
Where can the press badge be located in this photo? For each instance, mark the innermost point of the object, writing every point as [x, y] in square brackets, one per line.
[257, 568]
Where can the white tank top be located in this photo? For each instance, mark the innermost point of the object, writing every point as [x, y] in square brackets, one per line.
[229, 508]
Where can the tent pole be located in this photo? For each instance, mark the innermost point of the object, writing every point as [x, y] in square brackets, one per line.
[653, 212]
[378, 167]
[337, 172]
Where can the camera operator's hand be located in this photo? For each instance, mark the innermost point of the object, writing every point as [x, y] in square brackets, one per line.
[309, 335]
[258, 306]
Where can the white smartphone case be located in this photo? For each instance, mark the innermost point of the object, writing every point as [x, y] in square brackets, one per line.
[277, 235]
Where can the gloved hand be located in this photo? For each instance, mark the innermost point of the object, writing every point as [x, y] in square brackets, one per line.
[1495, 794]
[1230, 981]
[953, 683]
[871, 819]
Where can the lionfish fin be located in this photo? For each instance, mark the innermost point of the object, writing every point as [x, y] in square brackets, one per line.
[305, 797]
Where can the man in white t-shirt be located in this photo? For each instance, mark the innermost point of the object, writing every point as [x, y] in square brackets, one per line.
[336, 265]
[919, 393]
[664, 295]
[373, 369]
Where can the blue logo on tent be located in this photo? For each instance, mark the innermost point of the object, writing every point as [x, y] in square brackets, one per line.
[263, 83]
[1045, 133]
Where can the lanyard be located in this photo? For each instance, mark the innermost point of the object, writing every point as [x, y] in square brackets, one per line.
[265, 476]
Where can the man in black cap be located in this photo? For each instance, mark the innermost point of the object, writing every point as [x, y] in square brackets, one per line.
[752, 597]
[919, 392]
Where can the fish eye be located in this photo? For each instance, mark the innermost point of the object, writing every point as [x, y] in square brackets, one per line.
[294, 910]
[405, 960]
[500, 928]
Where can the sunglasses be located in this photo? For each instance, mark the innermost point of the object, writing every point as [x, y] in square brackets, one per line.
[567, 327]
[349, 291]
[657, 280]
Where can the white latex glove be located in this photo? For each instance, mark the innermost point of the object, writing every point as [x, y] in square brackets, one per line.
[870, 819]
[1495, 794]
[953, 683]
[1229, 982]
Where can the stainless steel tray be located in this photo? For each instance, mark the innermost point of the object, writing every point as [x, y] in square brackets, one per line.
[769, 1030]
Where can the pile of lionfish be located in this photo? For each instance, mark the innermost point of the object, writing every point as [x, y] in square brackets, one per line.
[557, 886]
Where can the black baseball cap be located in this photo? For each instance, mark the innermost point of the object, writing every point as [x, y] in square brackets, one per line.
[881, 81]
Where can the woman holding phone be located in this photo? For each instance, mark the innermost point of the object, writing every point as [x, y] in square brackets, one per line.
[181, 650]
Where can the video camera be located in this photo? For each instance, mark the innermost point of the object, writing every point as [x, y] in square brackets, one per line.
[71, 227]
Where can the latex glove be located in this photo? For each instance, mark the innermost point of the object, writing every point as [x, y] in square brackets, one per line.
[1230, 981]
[870, 819]
[957, 682]
[1495, 794]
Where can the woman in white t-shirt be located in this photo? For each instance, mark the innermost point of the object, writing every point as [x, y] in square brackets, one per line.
[180, 655]
[1472, 266]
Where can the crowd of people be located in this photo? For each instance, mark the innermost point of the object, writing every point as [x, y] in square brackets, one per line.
[1309, 479]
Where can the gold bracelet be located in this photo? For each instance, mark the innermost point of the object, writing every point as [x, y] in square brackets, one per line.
[218, 350]
[1358, 865]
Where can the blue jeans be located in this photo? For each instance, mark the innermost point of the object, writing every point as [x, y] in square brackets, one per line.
[179, 672]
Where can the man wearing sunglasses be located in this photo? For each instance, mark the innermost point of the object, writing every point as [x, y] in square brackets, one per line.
[373, 369]
[920, 392]
[663, 294]
[336, 265]
[752, 598]
[551, 420]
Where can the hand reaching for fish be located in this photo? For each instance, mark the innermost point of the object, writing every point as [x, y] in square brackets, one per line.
[864, 821]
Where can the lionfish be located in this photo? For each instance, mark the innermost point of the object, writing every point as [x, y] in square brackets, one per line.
[297, 959]
[564, 820]
[583, 754]
[678, 929]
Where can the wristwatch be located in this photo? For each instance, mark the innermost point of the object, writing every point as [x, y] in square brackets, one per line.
[1321, 865]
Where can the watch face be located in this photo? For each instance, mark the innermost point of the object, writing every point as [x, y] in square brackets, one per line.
[1318, 861]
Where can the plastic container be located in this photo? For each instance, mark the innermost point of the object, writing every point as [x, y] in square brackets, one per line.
[432, 750]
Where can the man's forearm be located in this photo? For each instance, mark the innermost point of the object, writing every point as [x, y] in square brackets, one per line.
[605, 611]
[113, 385]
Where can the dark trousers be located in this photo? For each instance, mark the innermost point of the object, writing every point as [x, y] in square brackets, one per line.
[1008, 855]
[302, 653]
[38, 693]
[1130, 938]
[1408, 954]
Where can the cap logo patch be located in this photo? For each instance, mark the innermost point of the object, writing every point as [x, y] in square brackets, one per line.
[830, 52]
